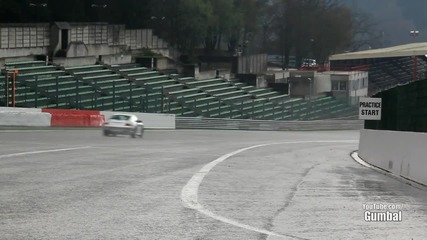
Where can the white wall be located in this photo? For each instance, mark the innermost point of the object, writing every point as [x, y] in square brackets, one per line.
[322, 83]
[29, 117]
[12, 109]
[279, 75]
[402, 153]
[151, 120]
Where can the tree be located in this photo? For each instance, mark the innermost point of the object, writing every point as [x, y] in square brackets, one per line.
[220, 23]
[235, 33]
[192, 23]
[365, 32]
[311, 28]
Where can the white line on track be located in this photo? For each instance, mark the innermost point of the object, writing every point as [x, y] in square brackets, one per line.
[42, 151]
[27, 131]
[189, 194]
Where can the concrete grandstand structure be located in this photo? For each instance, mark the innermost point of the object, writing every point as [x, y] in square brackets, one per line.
[70, 44]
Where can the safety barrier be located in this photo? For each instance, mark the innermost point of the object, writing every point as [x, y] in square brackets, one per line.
[265, 125]
[74, 118]
[401, 153]
[24, 118]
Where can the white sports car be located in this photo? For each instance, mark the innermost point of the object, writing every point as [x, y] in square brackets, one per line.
[123, 124]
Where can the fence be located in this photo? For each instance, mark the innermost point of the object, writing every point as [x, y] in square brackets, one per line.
[404, 108]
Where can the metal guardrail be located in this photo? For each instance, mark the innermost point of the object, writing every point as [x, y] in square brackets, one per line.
[266, 125]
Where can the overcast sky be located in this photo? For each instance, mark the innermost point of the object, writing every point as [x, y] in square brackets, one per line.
[396, 18]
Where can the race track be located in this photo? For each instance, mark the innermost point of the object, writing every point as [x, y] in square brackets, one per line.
[191, 184]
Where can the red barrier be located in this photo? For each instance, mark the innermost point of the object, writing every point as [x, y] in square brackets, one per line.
[68, 111]
[75, 118]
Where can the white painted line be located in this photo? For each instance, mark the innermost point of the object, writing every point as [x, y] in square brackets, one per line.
[356, 158]
[26, 131]
[42, 151]
[189, 194]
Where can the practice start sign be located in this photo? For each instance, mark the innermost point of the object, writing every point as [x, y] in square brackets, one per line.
[370, 108]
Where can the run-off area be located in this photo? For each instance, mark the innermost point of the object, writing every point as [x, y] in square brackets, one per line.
[123, 188]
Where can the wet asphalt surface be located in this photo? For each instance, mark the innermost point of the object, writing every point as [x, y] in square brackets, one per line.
[77, 184]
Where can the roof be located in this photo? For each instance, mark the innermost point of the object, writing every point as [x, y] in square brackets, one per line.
[406, 50]
[63, 25]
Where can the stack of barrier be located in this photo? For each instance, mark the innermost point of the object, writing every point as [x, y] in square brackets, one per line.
[74, 118]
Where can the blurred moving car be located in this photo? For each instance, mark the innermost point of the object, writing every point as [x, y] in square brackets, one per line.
[123, 124]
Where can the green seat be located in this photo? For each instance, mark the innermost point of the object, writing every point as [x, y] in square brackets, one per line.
[201, 83]
[228, 94]
[93, 73]
[220, 90]
[143, 74]
[187, 79]
[42, 74]
[267, 95]
[256, 91]
[77, 69]
[101, 77]
[33, 69]
[134, 70]
[184, 91]
[279, 98]
[192, 96]
[237, 98]
[24, 64]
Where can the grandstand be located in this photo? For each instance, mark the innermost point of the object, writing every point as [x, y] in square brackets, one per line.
[93, 68]
[387, 67]
[130, 87]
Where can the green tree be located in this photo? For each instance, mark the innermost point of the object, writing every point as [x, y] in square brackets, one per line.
[312, 28]
[365, 32]
[192, 23]
[220, 23]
